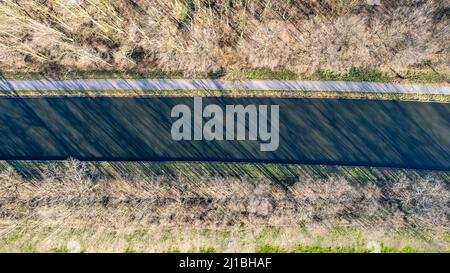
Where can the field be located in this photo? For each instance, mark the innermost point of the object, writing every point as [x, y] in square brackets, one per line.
[220, 207]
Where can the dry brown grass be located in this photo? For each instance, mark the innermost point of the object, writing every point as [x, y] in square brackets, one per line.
[72, 201]
[209, 36]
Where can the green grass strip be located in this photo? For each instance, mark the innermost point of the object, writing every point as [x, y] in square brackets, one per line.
[412, 75]
[274, 94]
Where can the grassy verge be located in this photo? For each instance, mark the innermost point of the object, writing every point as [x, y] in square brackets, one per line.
[275, 94]
[75, 75]
[35, 237]
[413, 75]
[284, 173]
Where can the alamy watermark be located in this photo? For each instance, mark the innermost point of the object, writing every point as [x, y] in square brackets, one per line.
[234, 122]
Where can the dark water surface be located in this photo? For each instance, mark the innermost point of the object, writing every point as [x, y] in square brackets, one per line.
[312, 131]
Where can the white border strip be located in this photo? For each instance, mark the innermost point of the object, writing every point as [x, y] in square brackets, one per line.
[219, 85]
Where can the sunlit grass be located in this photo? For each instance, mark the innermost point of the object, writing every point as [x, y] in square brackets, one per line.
[413, 75]
[235, 94]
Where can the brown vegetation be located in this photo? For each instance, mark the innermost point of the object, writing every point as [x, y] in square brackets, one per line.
[71, 196]
[215, 35]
